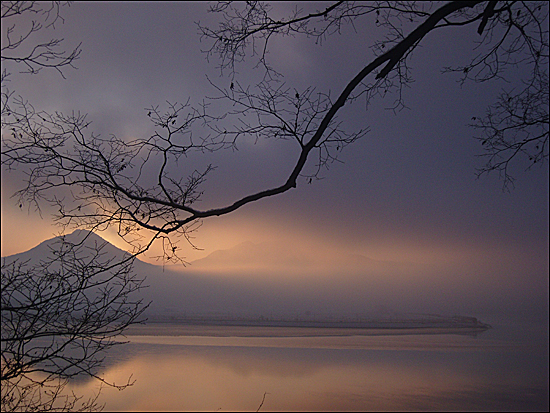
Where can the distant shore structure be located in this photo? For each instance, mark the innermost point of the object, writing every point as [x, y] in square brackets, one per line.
[420, 321]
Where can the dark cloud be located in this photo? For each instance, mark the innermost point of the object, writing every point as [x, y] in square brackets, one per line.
[408, 186]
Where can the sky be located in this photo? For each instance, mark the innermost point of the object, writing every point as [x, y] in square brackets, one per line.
[406, 192]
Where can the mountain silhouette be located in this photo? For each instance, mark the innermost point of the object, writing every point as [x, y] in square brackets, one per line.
[288, 258]
[253, 256]
[88, 239]
[255, 279]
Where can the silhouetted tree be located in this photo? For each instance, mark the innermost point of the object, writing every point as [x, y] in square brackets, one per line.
[109, 183]
[18, 46]
[60, 314]
[106, 175]
[511, 34]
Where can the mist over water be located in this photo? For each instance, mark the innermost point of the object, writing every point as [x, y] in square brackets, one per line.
[190, 368]
[270, 280]
[385, 373]
[502, 369]
[400, 227]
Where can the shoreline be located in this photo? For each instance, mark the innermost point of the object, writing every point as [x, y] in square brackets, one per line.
[424, 321]
[306, 328]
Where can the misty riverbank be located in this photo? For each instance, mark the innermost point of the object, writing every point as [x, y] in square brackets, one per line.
[175, 365]
[280, 327]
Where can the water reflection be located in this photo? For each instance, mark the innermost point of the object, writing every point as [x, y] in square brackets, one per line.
[389, 373]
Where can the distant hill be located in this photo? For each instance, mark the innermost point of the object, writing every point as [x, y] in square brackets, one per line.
[273, 256]
[250, 255]
[248, 279]
[270, 279]
[173, 292]
[44, 249]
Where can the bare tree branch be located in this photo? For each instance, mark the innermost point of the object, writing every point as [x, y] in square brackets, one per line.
[17, 43]
[59, 316]
[148, 189]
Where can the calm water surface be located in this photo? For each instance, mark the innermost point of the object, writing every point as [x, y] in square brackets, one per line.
[230, 369]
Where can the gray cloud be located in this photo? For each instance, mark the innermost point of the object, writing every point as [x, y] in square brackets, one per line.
[408, 186]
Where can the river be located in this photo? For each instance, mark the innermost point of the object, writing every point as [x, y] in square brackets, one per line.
[182, 368]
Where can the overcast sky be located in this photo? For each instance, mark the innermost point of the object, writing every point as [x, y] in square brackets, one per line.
[406, 192]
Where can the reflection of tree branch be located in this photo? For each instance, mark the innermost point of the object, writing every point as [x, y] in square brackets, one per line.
[262, 403]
